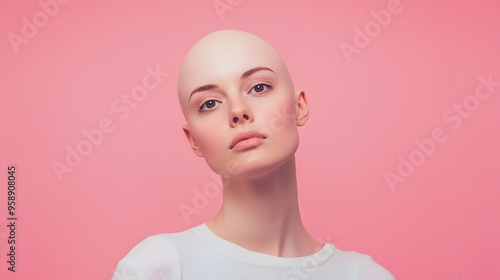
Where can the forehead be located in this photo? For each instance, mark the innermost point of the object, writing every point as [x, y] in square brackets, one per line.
[222, 59]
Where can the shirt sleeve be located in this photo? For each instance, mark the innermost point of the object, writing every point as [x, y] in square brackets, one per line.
[154, 258]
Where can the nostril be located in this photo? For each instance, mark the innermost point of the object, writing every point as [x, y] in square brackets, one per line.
[235, 119]
[245, 116]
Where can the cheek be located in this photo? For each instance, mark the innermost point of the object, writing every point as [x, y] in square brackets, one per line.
[213, 146]
[211, 136]
[281, 124]
[209, 143]
[281, 118]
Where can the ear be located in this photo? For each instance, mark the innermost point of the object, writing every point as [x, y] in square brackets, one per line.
[301, 108]
[192, 141]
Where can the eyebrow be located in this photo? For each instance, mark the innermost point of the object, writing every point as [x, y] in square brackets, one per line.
[243, 76]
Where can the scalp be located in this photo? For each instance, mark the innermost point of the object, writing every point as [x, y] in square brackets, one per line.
[221, 52]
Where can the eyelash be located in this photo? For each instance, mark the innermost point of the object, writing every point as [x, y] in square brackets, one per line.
[269, 87]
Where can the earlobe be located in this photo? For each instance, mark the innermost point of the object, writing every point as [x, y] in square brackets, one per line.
[302, 108]
[192, 141]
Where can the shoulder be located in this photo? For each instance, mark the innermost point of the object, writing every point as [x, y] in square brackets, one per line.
[154, 258]
[361, 266]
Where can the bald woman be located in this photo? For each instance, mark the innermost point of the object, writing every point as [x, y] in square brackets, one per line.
[242, 116]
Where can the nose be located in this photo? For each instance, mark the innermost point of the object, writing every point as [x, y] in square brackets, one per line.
[240, 113]
[236, 119]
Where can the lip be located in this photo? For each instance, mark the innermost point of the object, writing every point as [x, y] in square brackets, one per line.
[244, 136]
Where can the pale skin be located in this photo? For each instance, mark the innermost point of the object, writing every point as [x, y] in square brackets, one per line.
[232, 82]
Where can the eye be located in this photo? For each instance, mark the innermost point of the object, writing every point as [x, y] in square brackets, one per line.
[261, 88]
[208, 105]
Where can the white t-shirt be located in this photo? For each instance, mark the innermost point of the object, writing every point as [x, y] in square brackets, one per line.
[199, 254]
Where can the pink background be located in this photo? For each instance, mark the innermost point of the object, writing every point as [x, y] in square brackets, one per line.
[367, 109]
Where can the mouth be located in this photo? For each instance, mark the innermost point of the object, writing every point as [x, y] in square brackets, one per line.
[246, 140]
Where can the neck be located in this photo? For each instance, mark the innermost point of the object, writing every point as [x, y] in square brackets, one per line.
[261, 214]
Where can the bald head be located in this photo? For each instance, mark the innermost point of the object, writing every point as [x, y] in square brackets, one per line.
[221, 59]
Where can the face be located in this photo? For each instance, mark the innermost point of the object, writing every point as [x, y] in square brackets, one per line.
[233, 83]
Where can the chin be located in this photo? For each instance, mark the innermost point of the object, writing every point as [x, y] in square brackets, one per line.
[257, 165]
